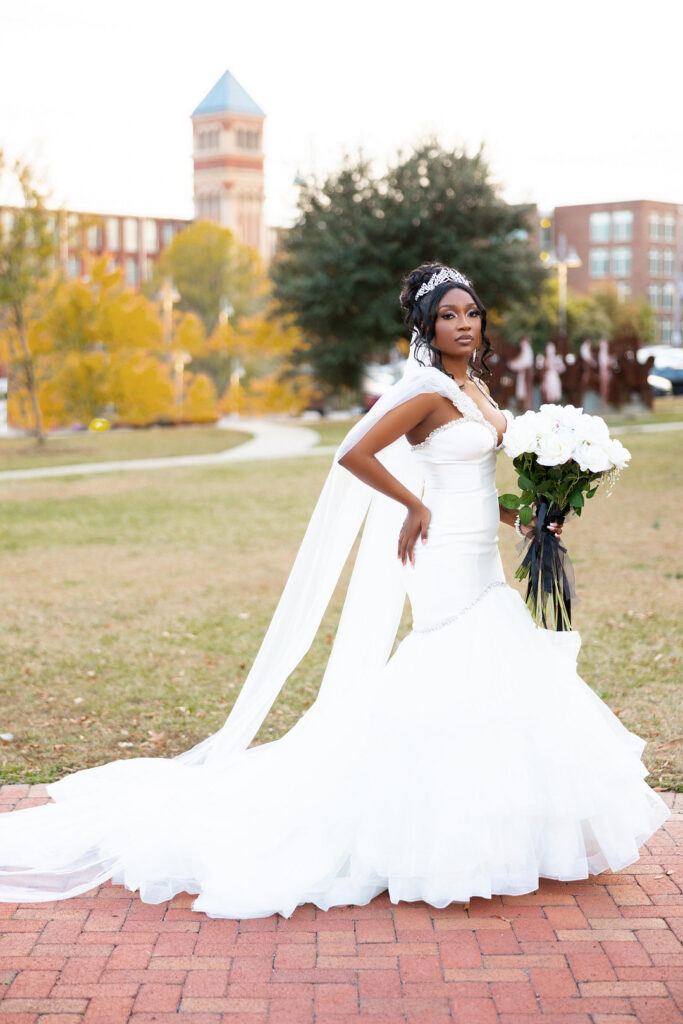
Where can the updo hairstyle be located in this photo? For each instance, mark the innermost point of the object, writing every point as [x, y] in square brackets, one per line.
[420, 316]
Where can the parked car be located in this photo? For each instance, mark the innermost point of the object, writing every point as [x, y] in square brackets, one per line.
[666, 376]
[378, 378]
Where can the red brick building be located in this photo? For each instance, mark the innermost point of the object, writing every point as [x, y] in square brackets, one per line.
[636, 246]
[132, 243]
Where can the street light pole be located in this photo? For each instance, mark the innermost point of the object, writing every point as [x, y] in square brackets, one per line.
[562, 259]
[169, 296]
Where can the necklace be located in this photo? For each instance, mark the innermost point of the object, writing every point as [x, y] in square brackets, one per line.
[462, 386]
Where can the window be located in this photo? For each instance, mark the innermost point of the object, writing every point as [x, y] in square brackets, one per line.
[74, 229]
[621, 262]
[208, 139]
[622, 225]
[654, 259]
[669, 227]
[73, 268]
[7, 222]
[668, 296]
[130, 234]
[668, 262]
[167, 232]
[248, 139]
[151, 236]
[654, 221]
[653, 294]
[623, 290]
[93, 238]
[209, 206]
[666, 332]
[113, 234]
[600, 227]
[599, 262]
[131, 271]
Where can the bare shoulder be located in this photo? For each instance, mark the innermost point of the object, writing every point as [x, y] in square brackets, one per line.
[399, 420]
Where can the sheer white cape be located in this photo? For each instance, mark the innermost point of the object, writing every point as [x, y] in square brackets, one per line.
[376, 594]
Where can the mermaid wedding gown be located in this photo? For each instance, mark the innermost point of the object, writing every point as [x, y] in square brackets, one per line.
[476, 762]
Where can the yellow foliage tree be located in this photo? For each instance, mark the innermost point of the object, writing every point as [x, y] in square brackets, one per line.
[190, 336]
[269, 382]
[141, 389]
[200, 404]
[96, 344]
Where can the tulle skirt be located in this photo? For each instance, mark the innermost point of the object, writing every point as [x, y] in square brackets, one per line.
[477, 763]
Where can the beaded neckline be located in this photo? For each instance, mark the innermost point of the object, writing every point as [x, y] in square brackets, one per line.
[470, 412]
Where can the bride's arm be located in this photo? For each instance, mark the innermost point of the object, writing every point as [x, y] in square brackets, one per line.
[362, 461]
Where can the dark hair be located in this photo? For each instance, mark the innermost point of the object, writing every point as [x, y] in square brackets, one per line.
[420, 315]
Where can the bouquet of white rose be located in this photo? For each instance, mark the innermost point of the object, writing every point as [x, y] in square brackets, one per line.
[561, 454]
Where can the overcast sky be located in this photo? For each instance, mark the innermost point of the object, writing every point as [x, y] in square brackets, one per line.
[574, 102]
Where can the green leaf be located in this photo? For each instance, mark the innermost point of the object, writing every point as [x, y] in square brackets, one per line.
[576, 499]
[589, 494]
[509, 500]
[525, 483]
[525, 515]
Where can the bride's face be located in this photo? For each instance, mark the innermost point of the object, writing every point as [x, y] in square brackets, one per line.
[458, 324]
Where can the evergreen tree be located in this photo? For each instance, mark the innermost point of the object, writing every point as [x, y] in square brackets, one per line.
[357, 235]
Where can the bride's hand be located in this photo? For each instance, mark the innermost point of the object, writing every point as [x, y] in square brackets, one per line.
[416, 524]
[553, 527]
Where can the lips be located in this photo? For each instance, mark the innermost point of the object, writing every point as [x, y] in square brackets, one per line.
[464, 337]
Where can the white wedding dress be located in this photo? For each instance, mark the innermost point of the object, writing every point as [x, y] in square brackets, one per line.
[475, 761]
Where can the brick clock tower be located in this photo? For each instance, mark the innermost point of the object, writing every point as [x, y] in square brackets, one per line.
[228, 161]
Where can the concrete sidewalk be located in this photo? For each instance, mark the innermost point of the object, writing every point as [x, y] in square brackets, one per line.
[604, 950]
[271, 439]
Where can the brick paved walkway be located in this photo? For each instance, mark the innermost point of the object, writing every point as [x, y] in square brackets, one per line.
[603, 951]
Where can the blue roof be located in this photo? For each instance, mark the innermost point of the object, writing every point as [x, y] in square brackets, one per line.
[228, 96]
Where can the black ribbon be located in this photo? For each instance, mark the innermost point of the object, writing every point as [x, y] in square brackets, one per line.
[550, 571]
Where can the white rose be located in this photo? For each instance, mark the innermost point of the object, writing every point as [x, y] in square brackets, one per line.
[519, 437]
[592, 456]
[592, 429]
[618, 455]
[555, 414]
[570, 415]
[555, 448]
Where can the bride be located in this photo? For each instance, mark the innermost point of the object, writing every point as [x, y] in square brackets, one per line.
[471, 761]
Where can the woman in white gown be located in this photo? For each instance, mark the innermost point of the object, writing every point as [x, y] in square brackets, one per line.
[473, 761]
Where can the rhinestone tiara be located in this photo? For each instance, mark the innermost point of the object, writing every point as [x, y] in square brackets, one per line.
[440, 277]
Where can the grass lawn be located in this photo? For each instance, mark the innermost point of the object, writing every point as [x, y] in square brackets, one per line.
[664, 410]
[133, 605]
[86, 446]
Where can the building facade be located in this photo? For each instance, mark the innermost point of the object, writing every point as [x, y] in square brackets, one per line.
[635, 246]
[131, 243]
[229, 187]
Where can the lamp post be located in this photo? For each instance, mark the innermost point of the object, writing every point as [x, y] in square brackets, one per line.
[226, 311]
[562, 259]
[180, 361]
[168, 296]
